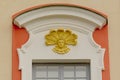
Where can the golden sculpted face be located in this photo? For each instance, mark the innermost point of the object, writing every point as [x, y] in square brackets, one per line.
[61, 43]
[61, 38]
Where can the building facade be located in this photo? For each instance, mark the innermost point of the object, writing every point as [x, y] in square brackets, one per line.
[13, 38]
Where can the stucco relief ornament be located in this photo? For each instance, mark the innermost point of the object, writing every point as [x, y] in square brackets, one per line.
[61, 39]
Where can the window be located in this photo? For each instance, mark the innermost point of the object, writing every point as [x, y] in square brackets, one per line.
[61, 72]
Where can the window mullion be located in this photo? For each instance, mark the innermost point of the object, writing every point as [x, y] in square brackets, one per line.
[34, 72]
[61, 70]
[74, 72]
[88, 72]
[47, 72]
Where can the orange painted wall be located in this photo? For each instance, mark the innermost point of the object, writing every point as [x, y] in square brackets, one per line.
[19, 37]
[101, 37]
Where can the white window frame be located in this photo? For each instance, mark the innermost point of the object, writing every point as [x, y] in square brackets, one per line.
[81, 20]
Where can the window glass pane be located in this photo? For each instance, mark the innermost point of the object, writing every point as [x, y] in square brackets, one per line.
[41, 68]
[41, 71]
[68, 79]
[52, 79]
[53, 68]
[68, 71]
[81, 71]
[80, 74]
[41, 74]
[52, 74]
[68, 74]
[69, 68]
[81, 79]
[40, 79]
[52, 71]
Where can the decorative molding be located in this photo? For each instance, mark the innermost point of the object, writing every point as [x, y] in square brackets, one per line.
[92, 42]
[61, 38]
[30, 19]
[81, 21]
[75, 27]
[20, 53]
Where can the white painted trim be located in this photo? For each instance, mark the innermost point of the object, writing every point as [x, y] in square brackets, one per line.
[36, 14]
[39, 21]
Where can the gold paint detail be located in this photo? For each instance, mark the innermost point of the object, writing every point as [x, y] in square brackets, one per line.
[61, 38]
